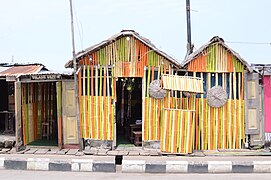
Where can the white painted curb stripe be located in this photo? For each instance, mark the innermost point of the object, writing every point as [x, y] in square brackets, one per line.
[82, 165]
[2, 163]
[38, 164]
[134, 166]
[176, 166]
[262, 166]
[219, 166]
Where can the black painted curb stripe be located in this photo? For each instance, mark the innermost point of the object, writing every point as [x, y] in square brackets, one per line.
[155, 168]
[192, 167]
[15, 164]
[103, 167]
[197, 167]
[54, 166]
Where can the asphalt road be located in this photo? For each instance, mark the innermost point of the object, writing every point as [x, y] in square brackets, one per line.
[52, 175]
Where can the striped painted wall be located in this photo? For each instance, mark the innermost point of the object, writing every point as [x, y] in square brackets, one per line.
[125, 57]
[152, 108]
[170, 120]
[96, 93]
[177, 134]
[219, 128]
[125, 49]
[97, 90]
[128, 57]
[215, 59]
[37, 106]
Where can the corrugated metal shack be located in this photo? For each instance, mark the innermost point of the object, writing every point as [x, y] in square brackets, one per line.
[34, 104]
[116, 108]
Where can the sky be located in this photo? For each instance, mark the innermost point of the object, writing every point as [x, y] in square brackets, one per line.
[39, 31]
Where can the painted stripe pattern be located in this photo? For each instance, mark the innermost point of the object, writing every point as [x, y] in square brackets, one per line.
[128, 50]
[183, 83]
[215, 59]
[170, 120]
[136, 166]
[95, 98]
[220, 128]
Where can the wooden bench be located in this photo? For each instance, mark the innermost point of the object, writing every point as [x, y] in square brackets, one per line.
[137, 137]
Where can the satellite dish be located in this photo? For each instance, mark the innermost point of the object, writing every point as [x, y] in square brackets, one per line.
[156, 90]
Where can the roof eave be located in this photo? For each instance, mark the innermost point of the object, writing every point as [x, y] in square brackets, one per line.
[215, 40]
[89, 50]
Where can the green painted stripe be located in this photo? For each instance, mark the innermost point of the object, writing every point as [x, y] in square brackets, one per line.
[89, 102]
[83, 101]
[101, 102]
[27, 115]
[155, 110]
[96, 103]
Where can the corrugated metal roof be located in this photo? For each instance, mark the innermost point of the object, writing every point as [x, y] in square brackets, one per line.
[3, 68]
[22, 70]
[63, 72]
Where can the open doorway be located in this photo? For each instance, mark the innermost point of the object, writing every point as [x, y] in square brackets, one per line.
[129, 112]
[7, 108]
[39, 114]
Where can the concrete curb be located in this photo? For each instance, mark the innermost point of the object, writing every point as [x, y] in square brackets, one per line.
[131, 166]
[46, 164]
[135, 166]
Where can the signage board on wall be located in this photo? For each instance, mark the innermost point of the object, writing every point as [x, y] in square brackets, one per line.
[45, 77]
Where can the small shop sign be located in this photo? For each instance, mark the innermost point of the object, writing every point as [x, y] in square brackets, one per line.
[45, 77]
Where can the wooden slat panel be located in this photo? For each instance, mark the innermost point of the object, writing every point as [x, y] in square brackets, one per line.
[96, 111]
[69, 113]
[18, 114]
[215, 59]
[59, 114]
[253, 104]
[183, 83]
[177, 131]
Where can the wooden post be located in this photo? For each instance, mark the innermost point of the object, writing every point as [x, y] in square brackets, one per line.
[80, 140]
[18, 115]
[59, 114]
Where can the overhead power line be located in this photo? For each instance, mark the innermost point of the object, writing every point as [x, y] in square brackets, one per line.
[243, 42]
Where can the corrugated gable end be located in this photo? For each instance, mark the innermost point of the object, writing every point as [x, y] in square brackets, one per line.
[215, 56]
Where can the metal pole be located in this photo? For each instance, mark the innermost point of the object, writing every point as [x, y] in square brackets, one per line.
[188, 21]
[75, 81]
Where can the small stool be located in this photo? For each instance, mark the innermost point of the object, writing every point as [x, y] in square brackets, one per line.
[137, 137]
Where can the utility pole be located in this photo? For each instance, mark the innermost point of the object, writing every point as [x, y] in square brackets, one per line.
[75, 81]
[188, 24]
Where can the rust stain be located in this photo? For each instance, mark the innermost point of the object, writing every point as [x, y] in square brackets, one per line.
[20, 70]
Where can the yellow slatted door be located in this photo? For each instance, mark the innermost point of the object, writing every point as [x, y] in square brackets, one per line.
[69, 113]
[254, 123]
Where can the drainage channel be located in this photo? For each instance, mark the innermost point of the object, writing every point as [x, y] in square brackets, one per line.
[118, 159]
[118, 163]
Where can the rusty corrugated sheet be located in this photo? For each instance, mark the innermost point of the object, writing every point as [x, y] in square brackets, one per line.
[21, 70]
